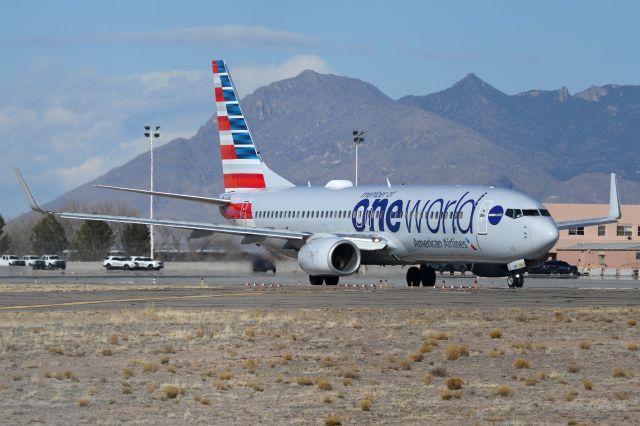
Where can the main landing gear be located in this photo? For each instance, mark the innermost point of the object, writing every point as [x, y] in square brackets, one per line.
[327, 279]
[425, 275]
[516, 280]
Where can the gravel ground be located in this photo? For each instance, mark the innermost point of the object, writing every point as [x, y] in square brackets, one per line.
[321, 366]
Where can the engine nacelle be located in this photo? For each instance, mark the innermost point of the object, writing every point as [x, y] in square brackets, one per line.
[329, 256]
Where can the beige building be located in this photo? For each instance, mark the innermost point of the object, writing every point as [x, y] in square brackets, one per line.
[607, 246]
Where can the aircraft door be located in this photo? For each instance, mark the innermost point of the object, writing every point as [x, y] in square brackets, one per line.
[483, 217]
[245, 210]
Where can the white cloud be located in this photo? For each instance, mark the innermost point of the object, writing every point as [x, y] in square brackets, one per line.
[66, 126]
[247, 79]
[232, 36]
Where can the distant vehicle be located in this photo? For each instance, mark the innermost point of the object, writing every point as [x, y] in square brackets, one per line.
[554, 267]
[118, 262]
[262, 264]
[35, 262]
[145, 262]
[53, 261]
[11, 260]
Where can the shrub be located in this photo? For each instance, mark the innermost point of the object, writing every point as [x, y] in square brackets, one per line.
[225, 375]
[171, 391]
[113, 339]
[521, 363]
[438, 335]
[16, 377]
[168, 349]
[255, 386]
[454, 383]
[571, 395]
[426, 347]
[439, 371]
[250, 365]
[333, 420]
[58, 350]
[585, 344]
[496, 333]
[523, 346]
[83, 402]
[164, 359]
[304, 381]
[405, 364]
[632, 347]
[150, 367]
[503, 390]
[427, 379]
[416, 356]
[534, 378]
[455, 351]
[447, 394]
[126, 389]
[587, 384]
[632, 323]
[327, 399]
[106, 352]
[324, 384]
[347, 382]
[573, 368]
[365, 403]
[127, 372]
[200, 332]
[495, 353]
[619, 372]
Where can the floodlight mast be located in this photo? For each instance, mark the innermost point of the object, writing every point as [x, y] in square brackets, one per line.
[358, 138]
[152, 135]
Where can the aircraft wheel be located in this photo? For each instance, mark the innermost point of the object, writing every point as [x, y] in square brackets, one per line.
[511, 281]
[427, 275]
[413, 277]
[519, 281]
[331, 280]
[316, 279]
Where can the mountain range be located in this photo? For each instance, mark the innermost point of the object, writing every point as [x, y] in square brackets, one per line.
[552, 145]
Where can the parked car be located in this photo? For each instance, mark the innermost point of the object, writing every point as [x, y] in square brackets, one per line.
[118, 262]
[11, 260]
[53, 261]
[262, 264]
[145, 262]
[553, 267]
[35, 262]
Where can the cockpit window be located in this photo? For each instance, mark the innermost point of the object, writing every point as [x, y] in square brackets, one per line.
[513, 213]
[530, 212]
[545, 212]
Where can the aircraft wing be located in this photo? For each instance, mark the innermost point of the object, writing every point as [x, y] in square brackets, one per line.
[217, 201]
[614, 211]
[222, 229]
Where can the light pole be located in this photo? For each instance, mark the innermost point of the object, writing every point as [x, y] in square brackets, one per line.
[358, 138]
[152, 135]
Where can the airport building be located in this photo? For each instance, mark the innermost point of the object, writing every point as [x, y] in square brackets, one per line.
[604, 246]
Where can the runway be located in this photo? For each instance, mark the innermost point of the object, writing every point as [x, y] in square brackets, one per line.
[284, 292]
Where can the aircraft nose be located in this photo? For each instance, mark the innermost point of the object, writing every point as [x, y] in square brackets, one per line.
[544, 234]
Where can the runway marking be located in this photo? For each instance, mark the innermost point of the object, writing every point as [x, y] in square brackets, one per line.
[136, 299]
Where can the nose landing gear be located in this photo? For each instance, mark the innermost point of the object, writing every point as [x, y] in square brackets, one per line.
[516, 280]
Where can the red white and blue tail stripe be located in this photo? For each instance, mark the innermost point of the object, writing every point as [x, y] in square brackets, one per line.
[242, 165]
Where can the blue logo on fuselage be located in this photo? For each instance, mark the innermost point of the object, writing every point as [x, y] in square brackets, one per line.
[495, 215]
[433, 216]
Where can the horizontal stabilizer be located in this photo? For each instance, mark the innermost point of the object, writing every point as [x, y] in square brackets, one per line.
[196, 198]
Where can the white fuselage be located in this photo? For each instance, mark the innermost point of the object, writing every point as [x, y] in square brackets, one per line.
[452, 223]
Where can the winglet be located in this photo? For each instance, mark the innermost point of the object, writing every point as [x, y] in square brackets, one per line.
[614, 200]
[27, 192]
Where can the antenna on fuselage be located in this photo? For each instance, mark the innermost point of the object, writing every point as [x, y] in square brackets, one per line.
[309, 183]
[388, 183]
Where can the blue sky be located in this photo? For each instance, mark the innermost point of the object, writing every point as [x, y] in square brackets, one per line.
[79, 79]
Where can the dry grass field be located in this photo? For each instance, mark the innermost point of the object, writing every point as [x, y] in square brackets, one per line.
[326, 367]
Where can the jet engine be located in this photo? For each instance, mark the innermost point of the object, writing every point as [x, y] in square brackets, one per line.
[329, 256]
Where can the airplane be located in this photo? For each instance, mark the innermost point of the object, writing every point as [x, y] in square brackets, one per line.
[335, 229]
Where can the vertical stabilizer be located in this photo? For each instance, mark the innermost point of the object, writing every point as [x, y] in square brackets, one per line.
[242, 166]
